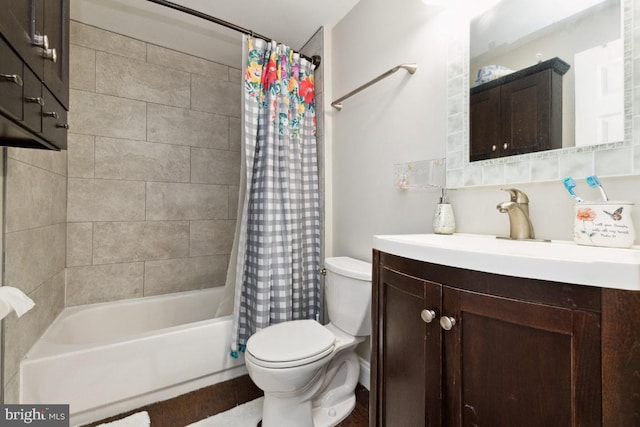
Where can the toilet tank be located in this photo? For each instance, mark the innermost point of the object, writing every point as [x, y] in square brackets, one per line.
[347, 291]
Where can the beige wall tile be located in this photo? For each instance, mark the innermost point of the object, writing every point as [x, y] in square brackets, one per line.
[33, 256]
[35, 249]
[173, 59]
[106, 41]
[103, 115]
[134, 79]
[184, 274]
[319, 115]
[58, 199]
[81, 152]
[215, 166]
[34, 197]
[187, 127]
[105, 200]
[79, 243]
[21, 334]
[314, 45]
[82, 68]
[142, 161]
[115, 242]
[101, 283]
[235, 75]
[235, 134]
[12, 390]
[211, 237]
[142, 165]
[233, 201]
[53, 161]
[168, 201]
[215, 96]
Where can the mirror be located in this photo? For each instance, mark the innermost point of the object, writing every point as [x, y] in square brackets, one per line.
[617, 156]
[514, 35]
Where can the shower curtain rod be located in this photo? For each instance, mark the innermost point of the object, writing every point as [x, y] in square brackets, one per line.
[315, 59]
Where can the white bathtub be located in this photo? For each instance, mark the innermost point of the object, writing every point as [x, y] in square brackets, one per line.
[108, 358]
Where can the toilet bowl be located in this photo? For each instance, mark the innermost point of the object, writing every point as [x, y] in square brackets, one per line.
[309, 371]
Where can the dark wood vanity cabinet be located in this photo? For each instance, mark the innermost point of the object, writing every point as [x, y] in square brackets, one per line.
[409, 356]
[518, 113]
[34, 73]
[509, 352]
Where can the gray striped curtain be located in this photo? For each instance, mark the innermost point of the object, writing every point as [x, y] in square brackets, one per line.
[278, 260]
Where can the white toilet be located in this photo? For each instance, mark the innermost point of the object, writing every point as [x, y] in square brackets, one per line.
[308, 371]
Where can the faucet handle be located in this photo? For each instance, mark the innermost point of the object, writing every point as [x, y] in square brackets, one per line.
[517, 196]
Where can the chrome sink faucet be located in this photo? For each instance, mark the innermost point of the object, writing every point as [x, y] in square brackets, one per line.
[520, 226]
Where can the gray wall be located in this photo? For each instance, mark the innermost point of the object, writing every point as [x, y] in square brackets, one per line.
[154, 166]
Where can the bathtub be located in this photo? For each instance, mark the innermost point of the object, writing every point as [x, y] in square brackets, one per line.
[108, 358]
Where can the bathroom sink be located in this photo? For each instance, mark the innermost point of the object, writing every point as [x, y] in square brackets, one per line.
[558, 261]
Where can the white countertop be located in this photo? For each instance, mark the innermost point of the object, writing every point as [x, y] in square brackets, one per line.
[558, 261]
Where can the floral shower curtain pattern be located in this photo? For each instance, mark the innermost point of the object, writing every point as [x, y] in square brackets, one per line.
[278, 262]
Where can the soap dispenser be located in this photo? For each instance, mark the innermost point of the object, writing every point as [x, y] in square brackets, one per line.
[444, 222]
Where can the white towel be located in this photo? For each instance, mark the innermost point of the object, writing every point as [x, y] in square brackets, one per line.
[245, 415]
[139, 419]
[13, 299]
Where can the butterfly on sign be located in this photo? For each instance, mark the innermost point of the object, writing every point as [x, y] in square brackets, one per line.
[616, 215]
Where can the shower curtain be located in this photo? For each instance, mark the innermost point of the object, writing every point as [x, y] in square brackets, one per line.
[277, 244]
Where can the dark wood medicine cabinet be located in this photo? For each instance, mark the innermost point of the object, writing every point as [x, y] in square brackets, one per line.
[455, 347]
[518, 113]
[34, 73]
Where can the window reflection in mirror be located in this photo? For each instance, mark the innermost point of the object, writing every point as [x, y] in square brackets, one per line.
[587, 34]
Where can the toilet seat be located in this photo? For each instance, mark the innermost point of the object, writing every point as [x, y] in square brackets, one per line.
[289, 344]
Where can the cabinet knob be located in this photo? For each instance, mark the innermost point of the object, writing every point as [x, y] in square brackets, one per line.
[36, 100]
[41, 41]
[50, 54]
[505, 146]
[447, 323]
[494, 147]
[11, 78]
[50, 114]
[62, 125]
[428, 315]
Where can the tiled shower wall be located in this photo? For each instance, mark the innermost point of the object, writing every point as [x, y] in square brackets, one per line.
[35, 235]
[154, 165]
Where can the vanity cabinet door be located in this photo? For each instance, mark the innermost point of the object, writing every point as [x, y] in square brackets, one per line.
[513, 363]
[408, 351]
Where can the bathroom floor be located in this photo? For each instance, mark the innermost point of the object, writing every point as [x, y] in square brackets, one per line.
[200, 404]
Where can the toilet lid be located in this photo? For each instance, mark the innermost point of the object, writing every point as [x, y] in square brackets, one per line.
[290, 341]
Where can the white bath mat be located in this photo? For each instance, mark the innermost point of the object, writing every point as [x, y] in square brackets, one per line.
[139, 419]
[245, 415]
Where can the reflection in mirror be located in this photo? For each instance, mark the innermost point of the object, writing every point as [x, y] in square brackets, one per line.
[516, 34]
[619, 158]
